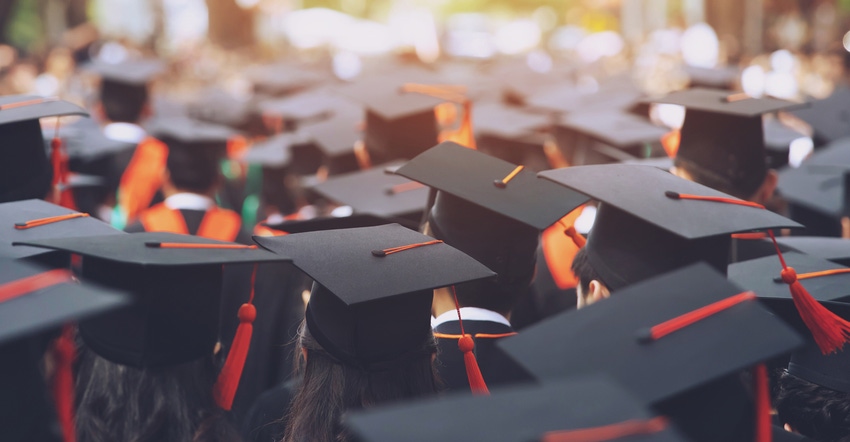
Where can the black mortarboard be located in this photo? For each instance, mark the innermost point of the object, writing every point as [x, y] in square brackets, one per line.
[312, 105]
[722, 139]
[176, 290]
[829, 117]
[219, 107]
[489, 208]
[329, 223]
[22, 212]
[377, 192]
[518, 414]
[124, 87]
[274, 152]
[641, 231]
[284, 78]
[615, 128]
[761, 276]
[510, 133]
[194, 149]
[816, 196]
[832, 249]
[335, 139]
[130, 73]
[398, 124]
[371, 303]
[683, 366]
[187, 131]
[567, 98]
[778, 138]
[85, 142]
[25, 171]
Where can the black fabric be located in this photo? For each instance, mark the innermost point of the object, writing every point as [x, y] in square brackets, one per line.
[25, 171]
[26, 411]
[264, 421]
[763, 277]
[405, 137]
[497, 368]
[193, 219]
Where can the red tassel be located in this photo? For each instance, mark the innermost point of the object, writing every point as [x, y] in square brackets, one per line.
[609, 432]
[578, 240]
[467, 345]
[62, 388]
[829, 331]
[62, 194]
[231, 373]
[762, 398]
[473, 373]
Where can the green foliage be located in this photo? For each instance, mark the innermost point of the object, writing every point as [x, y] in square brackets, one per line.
[24, 28]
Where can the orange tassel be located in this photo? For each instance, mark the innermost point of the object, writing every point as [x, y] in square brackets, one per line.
[578, 240]
[609, 432]
[231, 373]
[467, 345]
[829, 331]
[62, 388]
[762, 397]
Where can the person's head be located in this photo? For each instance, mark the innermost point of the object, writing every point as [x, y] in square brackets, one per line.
[124, 103]
[331, 387]
[117, 402]
[591, 288]
[192, 168]
[812, 410]
[505, 246]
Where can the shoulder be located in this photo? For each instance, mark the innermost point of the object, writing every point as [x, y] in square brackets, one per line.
[265, 420]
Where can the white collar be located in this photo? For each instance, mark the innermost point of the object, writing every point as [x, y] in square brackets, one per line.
[470, 314]
[189, 201]
[125, 132]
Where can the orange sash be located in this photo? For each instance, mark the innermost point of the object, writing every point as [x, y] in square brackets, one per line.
[218, 223]
[142, 178]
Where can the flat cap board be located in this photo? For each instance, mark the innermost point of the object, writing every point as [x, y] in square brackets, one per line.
[505, 121]
[829, 117]
[615, 128]
[724, 102]
[376, 192]
[275, 150]
[134, 248]
[189, 130]
[514, 414]
[818, 188]
[762, 276]
[606, 337]
[32, 107]
[337, 135]
[309, 104]
[640, 191]
[50, 306]
[470, 175]
[829, 248]
[382, 94]
[85, 139]
[28, 210]
[342, 261]
[132, 72]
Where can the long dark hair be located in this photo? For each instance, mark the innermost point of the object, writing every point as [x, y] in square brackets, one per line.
[329, 388]
[118, 402]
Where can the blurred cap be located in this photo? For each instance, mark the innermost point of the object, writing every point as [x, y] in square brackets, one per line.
[828, 117]
[760, 275]
[284, 78]
[371, 304]
[614, 128]
[516, 414]
[832, 249]
[130, 73]
[722, 78]
[25, 171]
[175, 281]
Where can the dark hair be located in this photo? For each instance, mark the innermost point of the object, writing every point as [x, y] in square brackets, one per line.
[584, 271]
[812, 410]
[193, 168]
[123, 103]
[118, 402]
[329, 388]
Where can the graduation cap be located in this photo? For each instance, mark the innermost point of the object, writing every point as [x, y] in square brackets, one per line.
[816, 192]
[586, 405]
[646, 225]
[34, 219]
[829, 117]
[35, 302]
[614, 128]
[371, 304]
[85, 142]
[335, 140]
[722, 141]
[25, 171]
[832, 249]
[124, 86]
[778, 138]
[311, 105]
[188, 131]
[219, 107]
[512, 134]
[489, 208]
[825, 280]
[675, 341]
[377, 192]
[273, 152]
[398, 124]
[137, 72]
[284, 78]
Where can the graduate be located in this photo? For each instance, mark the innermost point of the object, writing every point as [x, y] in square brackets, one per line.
[366, 338]
[650, 222]
[149, 372]
[496, 220]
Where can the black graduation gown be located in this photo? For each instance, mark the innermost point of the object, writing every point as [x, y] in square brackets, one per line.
[280, 309]
[496, 367]
[264, 421]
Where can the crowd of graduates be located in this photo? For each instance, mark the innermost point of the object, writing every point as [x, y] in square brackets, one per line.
[481, 252]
